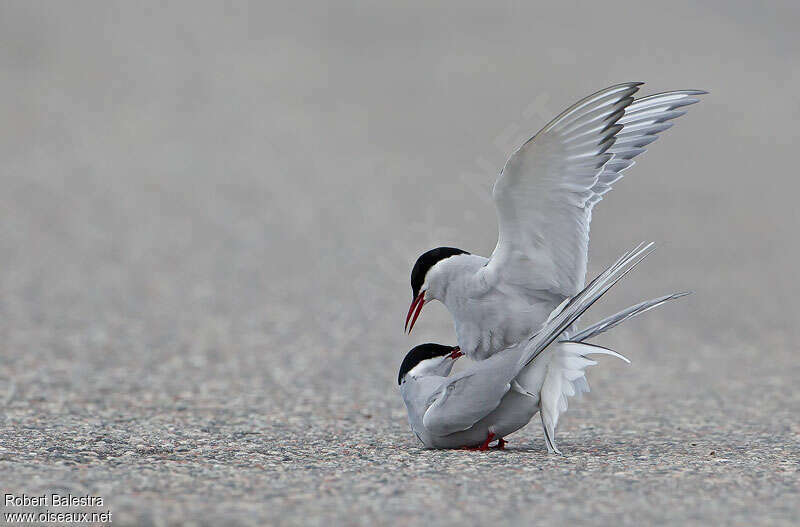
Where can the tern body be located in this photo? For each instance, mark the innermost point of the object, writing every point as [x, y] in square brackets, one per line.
[544, 198]
[497, 396]
[487, 318]
[518, 405]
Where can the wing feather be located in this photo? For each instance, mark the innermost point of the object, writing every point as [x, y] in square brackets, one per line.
[544, 188]
[548, 187]
[643, 121]
[471, 395]
[465, 400]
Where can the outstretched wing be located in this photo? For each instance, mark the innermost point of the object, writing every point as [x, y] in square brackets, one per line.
[644, 119]
[545, 193]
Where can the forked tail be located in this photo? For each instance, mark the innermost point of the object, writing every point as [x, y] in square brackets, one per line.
[564, 372]
[571, 310]
[626, 314]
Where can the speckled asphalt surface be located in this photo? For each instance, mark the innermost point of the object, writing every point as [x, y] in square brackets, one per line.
[209, 215]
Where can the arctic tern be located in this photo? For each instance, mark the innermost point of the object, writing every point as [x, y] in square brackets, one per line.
[499, 395]
[544, 198]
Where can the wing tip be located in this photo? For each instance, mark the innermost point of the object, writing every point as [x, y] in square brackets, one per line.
[629, 84]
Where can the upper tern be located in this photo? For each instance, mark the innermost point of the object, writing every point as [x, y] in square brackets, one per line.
[497, 396]
[544, 198]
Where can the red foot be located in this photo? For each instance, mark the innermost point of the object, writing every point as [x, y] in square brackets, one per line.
[485, 445]
[501, 444]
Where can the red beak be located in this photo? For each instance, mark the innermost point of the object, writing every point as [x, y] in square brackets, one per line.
[417, 303]
[456, 353]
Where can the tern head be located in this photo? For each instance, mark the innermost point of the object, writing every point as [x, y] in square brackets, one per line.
[423, 289]
[429, 359]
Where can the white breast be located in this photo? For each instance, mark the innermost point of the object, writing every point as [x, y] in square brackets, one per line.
[487, 318]
[493, 321]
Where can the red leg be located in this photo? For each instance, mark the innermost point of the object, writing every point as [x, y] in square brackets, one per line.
[484, 446]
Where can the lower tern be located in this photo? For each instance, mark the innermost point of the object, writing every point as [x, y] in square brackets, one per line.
[544, 198]
[496, 397]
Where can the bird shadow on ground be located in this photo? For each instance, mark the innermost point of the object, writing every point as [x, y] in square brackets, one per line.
[567, 450]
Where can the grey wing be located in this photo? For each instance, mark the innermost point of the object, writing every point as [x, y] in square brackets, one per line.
[470, 396]
[542, 196]
[643, 121]
[548, 188]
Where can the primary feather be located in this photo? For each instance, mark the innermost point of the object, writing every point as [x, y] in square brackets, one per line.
[548, 187]
[544, 198]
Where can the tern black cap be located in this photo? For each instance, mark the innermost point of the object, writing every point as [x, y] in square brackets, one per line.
[421, 353]
[426, 261]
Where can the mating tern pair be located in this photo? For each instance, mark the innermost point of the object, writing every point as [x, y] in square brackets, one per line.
[509, 308]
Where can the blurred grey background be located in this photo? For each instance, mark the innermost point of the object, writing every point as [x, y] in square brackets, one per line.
[209, 213]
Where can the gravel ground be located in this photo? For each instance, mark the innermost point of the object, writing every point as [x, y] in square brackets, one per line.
[209, 216]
